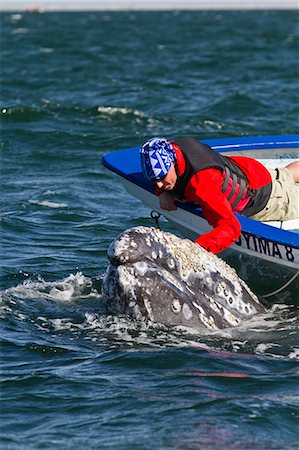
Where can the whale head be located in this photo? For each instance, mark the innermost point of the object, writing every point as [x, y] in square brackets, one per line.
[175, 282]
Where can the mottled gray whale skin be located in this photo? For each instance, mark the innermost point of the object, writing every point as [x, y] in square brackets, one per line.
[172, 281]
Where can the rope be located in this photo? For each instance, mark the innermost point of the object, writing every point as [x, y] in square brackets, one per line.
[156, 216]
[282, 287]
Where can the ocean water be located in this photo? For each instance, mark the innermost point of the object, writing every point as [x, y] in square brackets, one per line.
[76, 86]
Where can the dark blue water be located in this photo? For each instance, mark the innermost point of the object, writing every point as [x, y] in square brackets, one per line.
[78, 85]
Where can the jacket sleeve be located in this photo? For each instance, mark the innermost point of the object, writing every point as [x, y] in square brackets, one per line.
[205, 188]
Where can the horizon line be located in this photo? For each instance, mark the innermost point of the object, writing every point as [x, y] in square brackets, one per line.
[48, 6]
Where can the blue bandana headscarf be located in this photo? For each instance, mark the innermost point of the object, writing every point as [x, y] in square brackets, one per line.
[156, 156]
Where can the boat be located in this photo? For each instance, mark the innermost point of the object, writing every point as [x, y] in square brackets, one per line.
[263, 249]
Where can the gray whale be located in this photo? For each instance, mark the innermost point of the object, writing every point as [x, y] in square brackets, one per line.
[172, 281]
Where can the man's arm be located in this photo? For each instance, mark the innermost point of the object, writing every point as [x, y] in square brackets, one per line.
[205, 189]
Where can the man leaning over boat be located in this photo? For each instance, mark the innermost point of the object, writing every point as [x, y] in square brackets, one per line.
[186, 169]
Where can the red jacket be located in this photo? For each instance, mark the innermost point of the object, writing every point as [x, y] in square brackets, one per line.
[205, 188]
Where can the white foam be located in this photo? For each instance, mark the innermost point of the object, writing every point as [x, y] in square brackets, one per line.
[15, 17]
[46, 50]
[263, 347]
[112, 111]
[65, 294]
[66, 290]
[294, 354]
[20, 31]
[48, 204]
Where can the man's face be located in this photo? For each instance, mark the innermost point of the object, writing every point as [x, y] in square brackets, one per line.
[168, 182]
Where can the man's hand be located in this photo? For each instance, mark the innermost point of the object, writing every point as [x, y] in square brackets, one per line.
[167, 201]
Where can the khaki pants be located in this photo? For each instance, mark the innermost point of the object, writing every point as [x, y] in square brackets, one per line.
[283, 203]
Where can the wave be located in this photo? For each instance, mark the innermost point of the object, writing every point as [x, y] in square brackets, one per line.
[112, 111]
[119, 115]
[48, 204]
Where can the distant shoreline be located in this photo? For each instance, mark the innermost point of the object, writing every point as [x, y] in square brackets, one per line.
[126, 5]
